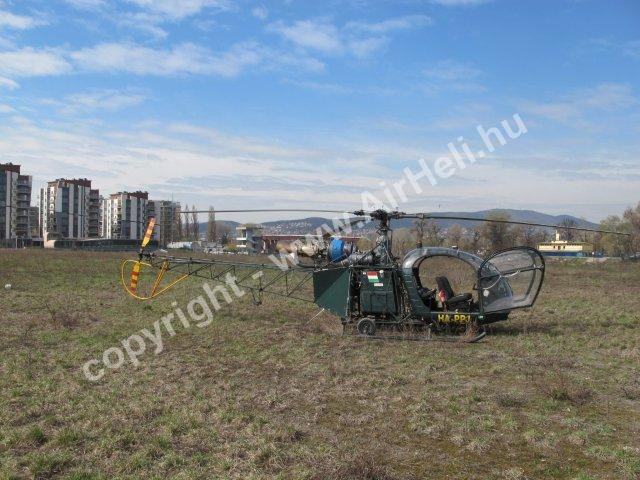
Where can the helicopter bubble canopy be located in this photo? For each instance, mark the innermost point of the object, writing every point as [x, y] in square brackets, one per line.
[510, 279]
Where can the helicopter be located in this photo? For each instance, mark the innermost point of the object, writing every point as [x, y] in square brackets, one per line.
[375, 294]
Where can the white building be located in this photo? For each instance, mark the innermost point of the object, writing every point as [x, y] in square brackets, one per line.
[564, 248]
[124, 215]
[64, 209]
[249, 238]
[167, 215]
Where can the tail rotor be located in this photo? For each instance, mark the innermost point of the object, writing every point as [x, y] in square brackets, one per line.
[137, 264]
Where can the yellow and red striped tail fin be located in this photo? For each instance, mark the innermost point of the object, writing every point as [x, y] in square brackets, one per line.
[149, 232]
[135, 272]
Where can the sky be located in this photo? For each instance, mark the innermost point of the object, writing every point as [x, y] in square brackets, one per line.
[305, 104]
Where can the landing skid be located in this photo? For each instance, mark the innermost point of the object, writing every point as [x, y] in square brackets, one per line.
[429, 337]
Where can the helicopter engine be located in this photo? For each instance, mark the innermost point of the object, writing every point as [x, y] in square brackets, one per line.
[339, 249]
[334, 249]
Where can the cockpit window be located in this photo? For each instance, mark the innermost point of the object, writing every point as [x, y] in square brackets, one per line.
[511, 279]
[461, 276]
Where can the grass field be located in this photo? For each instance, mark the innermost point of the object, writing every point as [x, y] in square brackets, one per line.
[265, 393]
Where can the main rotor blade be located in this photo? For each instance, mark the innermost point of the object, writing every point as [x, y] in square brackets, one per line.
[255, 210]
[428, 216]
[347, 225]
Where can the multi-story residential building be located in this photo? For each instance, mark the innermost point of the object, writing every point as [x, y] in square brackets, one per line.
[64, 209]
[167, 215]
[124, 215]
[249, 238]
[95, 214]
[34, 223]
[9, 175]
[22, 206]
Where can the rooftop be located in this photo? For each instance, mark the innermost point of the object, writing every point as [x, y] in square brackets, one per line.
[82, 182]
[10, 167]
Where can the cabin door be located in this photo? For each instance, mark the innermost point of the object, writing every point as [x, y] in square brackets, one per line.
[510, 279]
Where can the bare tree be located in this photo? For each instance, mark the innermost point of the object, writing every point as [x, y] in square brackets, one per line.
[187, 225]
[455, 234]
[565, 227]
[614, 245]
[366, 243]
[632, 220]
[419, 230]
[497, 236]
[176, 227]
[224, 233]
[473, 239]
[195, 225]
[212, 234]
[528, 235]
[427, 232]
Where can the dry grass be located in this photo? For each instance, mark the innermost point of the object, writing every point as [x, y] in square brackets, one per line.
[263, 393]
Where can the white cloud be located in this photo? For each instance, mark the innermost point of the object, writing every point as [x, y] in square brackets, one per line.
[332, 88]
[260, 12]
[28, 62]
[448, 70]
[179, 9]
[205, 166]
[632, 49]
[143, 22]
[367, 46]
[398, 23]
[17, 22]
[6, 108]
[8, 83]
[606, 96]
[107, 100]
[359, 39]
[147, 16]
[186, 58]
[87, 4]
[452, 75]
[575, 107]
[245, 167]
[316, 35]
[629, 48]
[183, 59]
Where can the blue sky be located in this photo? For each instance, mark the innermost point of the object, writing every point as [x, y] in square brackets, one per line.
[307, 104]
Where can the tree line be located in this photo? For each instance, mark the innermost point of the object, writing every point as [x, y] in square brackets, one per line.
[187, 228]
[487, 238]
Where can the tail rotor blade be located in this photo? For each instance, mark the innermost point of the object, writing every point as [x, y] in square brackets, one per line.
[149, 232]
[135, 272]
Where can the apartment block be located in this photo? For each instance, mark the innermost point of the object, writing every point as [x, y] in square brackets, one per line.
[34, 222]
[249, 238]
[167, 215]
[9, 174]
[23, 204]
[64, 209]
[95, 214]
[124, 215]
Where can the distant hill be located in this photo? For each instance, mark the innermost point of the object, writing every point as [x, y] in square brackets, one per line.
[311, 224]
[516, 215]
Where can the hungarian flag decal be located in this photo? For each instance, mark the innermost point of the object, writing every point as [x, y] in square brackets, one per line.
[373, 277]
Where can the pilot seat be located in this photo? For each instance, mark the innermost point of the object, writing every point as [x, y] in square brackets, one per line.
[448, 297]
